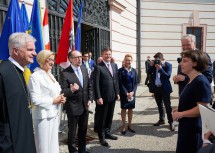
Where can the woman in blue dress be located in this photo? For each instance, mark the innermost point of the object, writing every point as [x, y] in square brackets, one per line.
[197, 91]
[127, 85]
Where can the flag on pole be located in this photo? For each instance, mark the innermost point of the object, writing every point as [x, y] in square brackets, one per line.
[67, 38]
[24, 16]
[35, 29]
[46, 40]
[78, 30]
[13, 23]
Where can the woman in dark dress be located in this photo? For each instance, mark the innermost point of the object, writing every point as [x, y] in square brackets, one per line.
[127, 85]
[197, 91]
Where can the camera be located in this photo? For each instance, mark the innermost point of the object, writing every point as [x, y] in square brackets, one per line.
[157, 61]
[179, 59]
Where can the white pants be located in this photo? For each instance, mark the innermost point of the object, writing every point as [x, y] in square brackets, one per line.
[46, 135]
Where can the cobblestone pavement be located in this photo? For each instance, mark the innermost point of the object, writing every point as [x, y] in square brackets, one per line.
[148, 139]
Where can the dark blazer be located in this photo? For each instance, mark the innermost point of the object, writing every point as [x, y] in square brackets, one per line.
[16, 128]
[76, 102]
[92, 64]
[106, 86]
[121, 73]
[165, 74]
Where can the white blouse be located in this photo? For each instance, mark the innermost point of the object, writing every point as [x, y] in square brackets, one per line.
[43, 90]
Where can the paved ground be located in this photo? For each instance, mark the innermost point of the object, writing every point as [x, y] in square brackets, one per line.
[148, 139]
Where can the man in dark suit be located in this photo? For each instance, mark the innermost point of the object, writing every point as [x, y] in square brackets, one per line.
[85, 62]
[160, 71]
[147, 65]
[188, 42]
[106, 92]
[76, 86]
[16, 128]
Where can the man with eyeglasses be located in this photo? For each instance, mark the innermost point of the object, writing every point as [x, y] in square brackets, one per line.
[16, 129]
[76, 86]
[85, 62]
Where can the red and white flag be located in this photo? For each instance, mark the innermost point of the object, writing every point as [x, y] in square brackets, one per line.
[46, 40]
[66, 43]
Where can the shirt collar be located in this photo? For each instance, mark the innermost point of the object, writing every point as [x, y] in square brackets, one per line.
[106, 63]
[16, 63]
[75, 68]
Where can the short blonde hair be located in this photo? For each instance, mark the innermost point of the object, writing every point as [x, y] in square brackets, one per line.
[43, 55]
[128, 55]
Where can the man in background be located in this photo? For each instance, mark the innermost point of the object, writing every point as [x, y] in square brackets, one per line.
[147, 65]
[91, 61]
[188, 42]
[160, 71]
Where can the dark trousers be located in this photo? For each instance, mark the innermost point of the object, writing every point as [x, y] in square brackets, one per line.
[104, 116]
[163, 99]
[147, 79]
[81, 122]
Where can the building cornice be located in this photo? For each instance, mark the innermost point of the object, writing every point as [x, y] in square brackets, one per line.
[116, 5]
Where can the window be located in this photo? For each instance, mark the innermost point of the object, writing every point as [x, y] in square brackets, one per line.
[198, 32]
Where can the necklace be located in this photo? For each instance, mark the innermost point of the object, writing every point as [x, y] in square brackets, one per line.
[30, 105]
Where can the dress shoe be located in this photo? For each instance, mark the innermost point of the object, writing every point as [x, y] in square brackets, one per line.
[130, 130]
[160, 122]
[84, 152]
[103, 142]
[172, 127]
[109, 136]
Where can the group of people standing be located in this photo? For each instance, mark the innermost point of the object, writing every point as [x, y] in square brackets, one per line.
[43, 97]
[193, 78]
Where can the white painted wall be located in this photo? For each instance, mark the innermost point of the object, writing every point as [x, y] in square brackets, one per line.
[123, 31]
[161, 27]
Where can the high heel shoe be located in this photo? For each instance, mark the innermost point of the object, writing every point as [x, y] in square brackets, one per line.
[123, 131]
[130, 130]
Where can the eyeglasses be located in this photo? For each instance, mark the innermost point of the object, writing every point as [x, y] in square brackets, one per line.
[77, 57]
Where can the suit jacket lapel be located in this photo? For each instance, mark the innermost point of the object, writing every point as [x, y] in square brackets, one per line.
[104, 65]
[72, 72]
[85, 75]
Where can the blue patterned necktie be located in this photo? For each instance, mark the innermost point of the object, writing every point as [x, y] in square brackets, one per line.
[80, 76]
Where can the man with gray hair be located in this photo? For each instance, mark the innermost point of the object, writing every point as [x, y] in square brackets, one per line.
[16, 127]
[188, 42]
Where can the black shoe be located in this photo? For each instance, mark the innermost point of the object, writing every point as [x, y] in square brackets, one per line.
[103, 142]
[160, 122]
[109, 136]
[130, 130]
[123, 132]
[172, 127]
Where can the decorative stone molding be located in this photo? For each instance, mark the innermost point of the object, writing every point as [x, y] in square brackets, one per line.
[116, 5]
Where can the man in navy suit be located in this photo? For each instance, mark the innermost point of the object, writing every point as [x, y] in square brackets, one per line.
[160, 71]
[91, 61]
[106, 90]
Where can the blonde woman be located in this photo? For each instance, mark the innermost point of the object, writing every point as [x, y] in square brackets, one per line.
[127, 85]
[46, 98]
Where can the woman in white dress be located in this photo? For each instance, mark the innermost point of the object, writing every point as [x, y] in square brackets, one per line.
[46, 99]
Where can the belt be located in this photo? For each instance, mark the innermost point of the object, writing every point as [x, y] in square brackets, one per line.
[159, 86]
